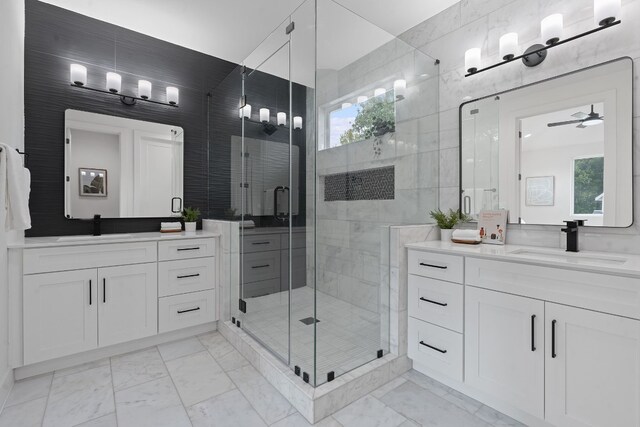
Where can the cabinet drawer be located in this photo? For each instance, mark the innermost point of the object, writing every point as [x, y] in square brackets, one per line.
[43, 260]
[607, 293]
[298, 240]
[436, 302]
[261, 243]
[182, 311]
[436, 266]
[184, 249]
[188, 275]
[435, 348]
[261, 266]
[258, 289]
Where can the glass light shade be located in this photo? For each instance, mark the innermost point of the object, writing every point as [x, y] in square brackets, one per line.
[282, 119]
[346, 105]
[173, 95]
[551, 28]
[472, 59]
[362, 99]
[245, 111]
[379, 91]
[144, 89]
[606, 11]
[114, 82]
[264, 114]
[78, 74]
[399, 87]
[297, 122]
[509, 46]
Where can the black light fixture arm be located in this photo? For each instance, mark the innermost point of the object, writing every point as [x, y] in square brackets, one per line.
[532, 52]
[126, 99]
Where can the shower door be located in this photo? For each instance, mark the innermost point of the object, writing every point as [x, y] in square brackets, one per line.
[267, 193]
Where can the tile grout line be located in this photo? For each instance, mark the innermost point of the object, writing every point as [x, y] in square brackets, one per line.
[46, 405]
[113, 391]
[184, 407]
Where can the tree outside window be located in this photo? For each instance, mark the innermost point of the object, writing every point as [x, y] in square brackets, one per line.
[588, 186]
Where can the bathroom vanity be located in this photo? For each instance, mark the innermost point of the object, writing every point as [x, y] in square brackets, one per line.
[77, 294]
[545, 336]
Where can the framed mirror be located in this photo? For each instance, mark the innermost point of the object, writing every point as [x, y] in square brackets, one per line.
[556, 150]
[122, 168]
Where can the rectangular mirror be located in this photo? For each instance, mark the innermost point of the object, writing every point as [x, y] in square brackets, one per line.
[122, 168]
[553, 151]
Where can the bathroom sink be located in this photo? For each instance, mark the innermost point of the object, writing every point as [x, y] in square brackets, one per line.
[576, 258]
[93, 238]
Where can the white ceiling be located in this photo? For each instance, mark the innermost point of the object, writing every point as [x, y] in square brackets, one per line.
[232, 29]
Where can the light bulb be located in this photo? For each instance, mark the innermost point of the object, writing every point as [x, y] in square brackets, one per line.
[144, 89]
[173, 95]
[114, 82]
[472, 60]
[78, 74]
[509, 46]
[551, 28]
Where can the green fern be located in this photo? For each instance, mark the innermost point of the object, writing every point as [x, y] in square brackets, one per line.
[448, 220]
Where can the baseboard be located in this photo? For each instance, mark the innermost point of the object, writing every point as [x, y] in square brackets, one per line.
[114, 350]
[6, 384]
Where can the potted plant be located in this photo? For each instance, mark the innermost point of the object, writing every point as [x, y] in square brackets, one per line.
[190, 217]
[446, 221]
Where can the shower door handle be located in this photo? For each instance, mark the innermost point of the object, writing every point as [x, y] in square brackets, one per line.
[276, 214]
[465, 208]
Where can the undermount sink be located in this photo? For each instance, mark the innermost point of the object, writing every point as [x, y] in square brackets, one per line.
[577, 258]
[90, 238]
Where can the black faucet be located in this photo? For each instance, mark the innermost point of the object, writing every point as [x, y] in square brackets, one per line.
[572, 234]
[96, 225]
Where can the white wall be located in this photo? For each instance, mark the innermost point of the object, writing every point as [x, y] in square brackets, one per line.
[12, 125]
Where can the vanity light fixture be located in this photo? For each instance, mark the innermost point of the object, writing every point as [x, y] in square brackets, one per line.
[379, 91]
[282, 119]
[509, 46]
[297, 122]
[264, 115]
[606, 14]
[113, 86]
[399, 87]
[245, 112]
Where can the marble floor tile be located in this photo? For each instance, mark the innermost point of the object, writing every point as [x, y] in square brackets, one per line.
[230, 409]
[106, 421]
[29, 389]
[217, 345]
[136, 368]
[297, 420]
[232, 360]
[83, 367]
[267, 401]
[370, 412]
[152, 404]
[27, 414]
[424, 407]
[426, 382]
[80, 397]
[388, 387]
[462, 401]
[176, 349]
[496, 418]
[198, 377]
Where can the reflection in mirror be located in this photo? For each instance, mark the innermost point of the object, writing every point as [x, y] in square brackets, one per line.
[553, 151]
[121, 168]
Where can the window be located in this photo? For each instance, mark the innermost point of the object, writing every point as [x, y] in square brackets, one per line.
[361, 121]
[588, 186]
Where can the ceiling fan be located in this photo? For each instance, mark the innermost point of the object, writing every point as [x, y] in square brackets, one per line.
[583, 120]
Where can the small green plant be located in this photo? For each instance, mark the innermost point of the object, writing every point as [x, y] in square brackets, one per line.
[448, 220]
[190, 214]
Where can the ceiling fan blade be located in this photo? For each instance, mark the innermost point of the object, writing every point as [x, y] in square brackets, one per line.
[581, 126]
[580, 115]
[570, 122]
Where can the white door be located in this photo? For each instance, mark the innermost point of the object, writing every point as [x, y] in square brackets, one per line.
[128, 301]
[60, 314]
[592, 368]
[504, 348]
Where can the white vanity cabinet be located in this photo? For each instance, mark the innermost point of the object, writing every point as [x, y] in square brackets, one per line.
[549, 346]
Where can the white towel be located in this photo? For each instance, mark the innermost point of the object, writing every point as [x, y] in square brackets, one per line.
[469, 235]
[15, 186]
[170, 226]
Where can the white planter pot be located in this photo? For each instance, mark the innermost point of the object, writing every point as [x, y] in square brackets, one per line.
[445, 235]
[190, 227]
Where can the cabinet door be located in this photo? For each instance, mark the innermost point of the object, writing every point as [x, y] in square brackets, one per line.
[128, 301]
[60, 314]
[592, 368]
[504, 348]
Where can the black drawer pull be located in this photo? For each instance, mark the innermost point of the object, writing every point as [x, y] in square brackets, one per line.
[553, 339]
[261, 266]
[441, 267]
[441, 304]
[189, 249]
[104, 290]
[189, 275]
[433, 348]
[260, 243]
[90, 293]
[189, 310]
[533, 332]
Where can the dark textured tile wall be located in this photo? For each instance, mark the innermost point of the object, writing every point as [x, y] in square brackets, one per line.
[366, 184]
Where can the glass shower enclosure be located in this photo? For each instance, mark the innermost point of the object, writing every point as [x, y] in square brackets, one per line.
[337, 141]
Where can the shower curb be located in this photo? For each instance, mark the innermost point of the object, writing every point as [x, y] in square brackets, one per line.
[315, 403]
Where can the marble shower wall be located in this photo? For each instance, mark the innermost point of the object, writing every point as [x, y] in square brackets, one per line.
[480, 23]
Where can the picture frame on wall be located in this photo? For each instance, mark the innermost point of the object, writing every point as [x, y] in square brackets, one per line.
[492, 226]
[540, 191]
[92, 182]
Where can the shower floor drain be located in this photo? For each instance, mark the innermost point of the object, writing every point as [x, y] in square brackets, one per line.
[309, 320]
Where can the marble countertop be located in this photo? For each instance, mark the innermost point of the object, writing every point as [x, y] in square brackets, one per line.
[54, 241]
[597, 262]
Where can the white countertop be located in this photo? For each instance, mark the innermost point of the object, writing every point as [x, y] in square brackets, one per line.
[598, 262]
[54, 241]
[271, 230]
